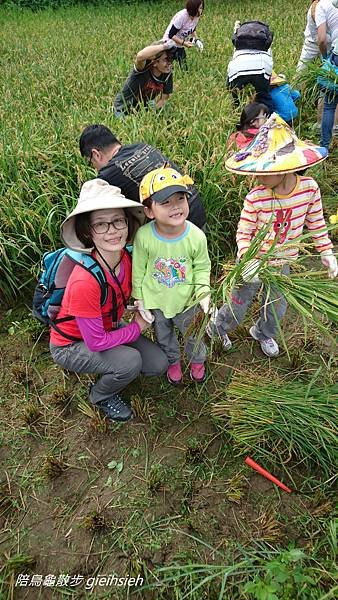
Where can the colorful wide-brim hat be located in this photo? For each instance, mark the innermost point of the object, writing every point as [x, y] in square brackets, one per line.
[97, 194]
[275, 149]
[162, 183]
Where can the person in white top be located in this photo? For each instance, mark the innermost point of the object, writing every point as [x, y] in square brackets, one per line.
[182, 29]
[321, 25]
[326, 18]
[310, 49]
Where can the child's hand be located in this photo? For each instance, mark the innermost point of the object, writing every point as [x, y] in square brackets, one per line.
[204, 304]
[236, 26]
[188, 44]
[141, 322]
[250, 271]
[329, 260]
[145, 314]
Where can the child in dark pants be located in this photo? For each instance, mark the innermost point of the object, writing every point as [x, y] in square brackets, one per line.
[251, 64]
[285, 202]
[171, 269]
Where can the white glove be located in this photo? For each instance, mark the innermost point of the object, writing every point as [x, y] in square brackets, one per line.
[250, 271]
[169, 44]
[199, 44]
[205, 303]
[329, 260]
[145, 314]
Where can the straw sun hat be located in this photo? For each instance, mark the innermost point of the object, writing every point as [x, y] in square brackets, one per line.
[275, 149]
[97, 194]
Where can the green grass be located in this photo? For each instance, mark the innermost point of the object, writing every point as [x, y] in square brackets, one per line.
[63, 69]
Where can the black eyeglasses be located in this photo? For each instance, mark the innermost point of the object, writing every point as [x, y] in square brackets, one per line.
[103, 226]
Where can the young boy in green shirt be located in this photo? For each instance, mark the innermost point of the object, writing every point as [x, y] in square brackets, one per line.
[171, 268]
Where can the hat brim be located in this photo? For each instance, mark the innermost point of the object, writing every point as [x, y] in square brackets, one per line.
[275, 150]
[271, 171]
[162, 195]
[68, 234]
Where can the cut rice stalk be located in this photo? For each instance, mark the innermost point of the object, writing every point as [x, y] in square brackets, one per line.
[289, 418]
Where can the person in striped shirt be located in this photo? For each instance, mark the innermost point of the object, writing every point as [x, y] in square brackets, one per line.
[284, 202]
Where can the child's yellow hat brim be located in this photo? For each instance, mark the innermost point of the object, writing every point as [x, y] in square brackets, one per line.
[162, 183]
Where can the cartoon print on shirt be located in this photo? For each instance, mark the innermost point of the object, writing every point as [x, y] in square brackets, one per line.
[282, 224]
[152, 88]
[170, 271]
[185, 34]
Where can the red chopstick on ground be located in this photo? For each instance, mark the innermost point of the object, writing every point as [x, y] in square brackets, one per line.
[266, 474]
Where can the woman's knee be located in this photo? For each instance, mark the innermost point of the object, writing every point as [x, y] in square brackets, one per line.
[161, 363]
[155, 364]
[133, 366]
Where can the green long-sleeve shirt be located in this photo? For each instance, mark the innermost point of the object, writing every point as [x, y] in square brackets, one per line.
[170, 274]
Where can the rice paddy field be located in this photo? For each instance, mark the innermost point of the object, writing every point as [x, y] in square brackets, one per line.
[166, 499]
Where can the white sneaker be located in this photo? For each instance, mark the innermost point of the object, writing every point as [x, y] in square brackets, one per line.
[269, 346]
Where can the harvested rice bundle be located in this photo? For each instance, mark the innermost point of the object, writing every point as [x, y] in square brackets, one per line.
[310, 293]
[294, 419]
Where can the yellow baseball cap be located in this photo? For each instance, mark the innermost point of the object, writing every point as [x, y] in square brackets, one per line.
[162, 183]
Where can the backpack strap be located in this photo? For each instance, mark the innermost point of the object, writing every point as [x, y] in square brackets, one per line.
[53, 324]
[88, 262]
[91, 265]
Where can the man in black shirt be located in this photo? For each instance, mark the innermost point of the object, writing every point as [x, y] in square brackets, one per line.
[150, 81]
[125, 166]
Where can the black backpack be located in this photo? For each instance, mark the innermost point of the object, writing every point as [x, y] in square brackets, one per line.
[253, 35]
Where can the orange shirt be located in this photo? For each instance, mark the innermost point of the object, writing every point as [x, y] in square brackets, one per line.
[82, 299]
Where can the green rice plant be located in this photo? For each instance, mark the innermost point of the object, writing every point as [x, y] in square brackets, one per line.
[265, 415]
[63, 87]
[310, 293]
[307, 78]
[260, 572]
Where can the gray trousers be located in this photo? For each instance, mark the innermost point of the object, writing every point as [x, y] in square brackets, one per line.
[167, 340]
[273, 309]
[118, 366]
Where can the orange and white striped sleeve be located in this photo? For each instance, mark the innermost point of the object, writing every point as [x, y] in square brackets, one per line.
[315, 223]
[247, 227]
